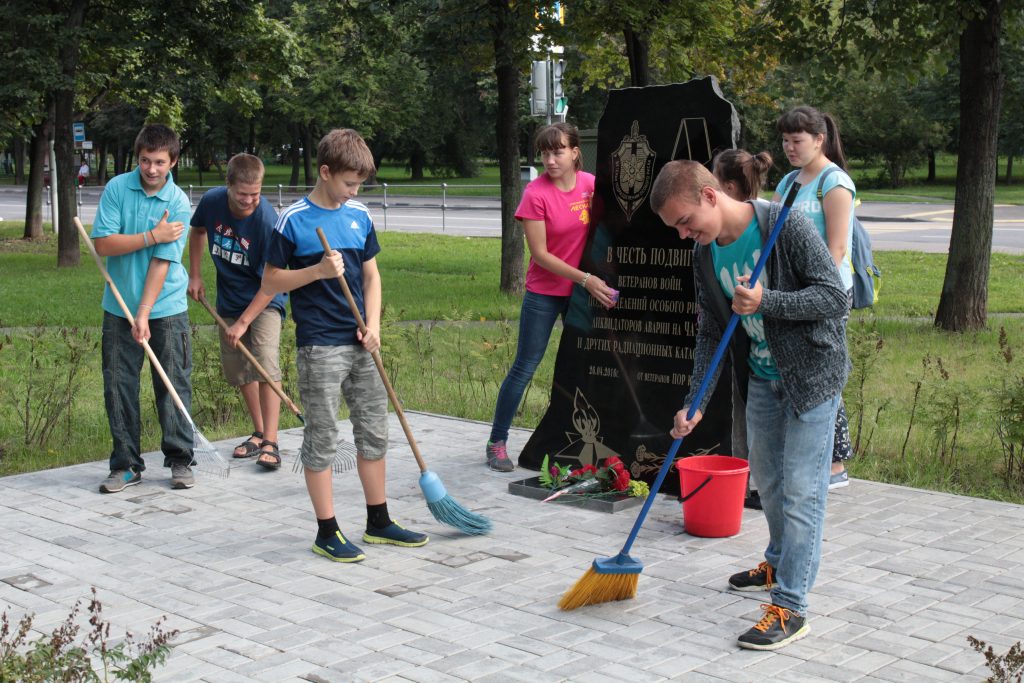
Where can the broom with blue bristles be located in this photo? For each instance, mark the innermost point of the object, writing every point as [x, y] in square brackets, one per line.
[444, 508]
[616, 578]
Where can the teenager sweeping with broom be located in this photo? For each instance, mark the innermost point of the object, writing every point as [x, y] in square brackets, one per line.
[555, 212]
[795, 365]
[333, 355]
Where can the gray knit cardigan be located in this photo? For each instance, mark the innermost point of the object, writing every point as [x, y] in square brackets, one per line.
[802, 305]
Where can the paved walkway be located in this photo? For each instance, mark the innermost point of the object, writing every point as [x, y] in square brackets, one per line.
[907, 575]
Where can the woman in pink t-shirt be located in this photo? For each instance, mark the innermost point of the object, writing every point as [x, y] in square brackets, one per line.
[555, 212]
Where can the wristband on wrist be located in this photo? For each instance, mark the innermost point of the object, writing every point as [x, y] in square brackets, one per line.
[153, 235]
[146, 306]
[583, 282]
[145, 239]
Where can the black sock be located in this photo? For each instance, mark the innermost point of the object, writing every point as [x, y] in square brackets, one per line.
[377, 516]
[327, 527]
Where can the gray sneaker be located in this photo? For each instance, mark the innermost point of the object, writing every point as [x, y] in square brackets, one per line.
[838, 480]
[497, 457]
[181, 477]
[117, 480]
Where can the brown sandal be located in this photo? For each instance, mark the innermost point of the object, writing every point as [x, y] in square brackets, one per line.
[273, 452]
[249, 448]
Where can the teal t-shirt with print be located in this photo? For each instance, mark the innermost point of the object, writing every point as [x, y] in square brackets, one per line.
[731, 261]
[808, 204]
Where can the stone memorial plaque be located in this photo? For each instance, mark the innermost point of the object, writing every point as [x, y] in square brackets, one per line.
[621, 375]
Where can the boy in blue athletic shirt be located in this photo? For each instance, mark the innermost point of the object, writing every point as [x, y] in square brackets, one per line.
[792, 361]
[332, 354]
[140, 228]
[235, 222]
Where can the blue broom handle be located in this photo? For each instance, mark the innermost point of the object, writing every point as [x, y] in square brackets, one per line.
[723, 344]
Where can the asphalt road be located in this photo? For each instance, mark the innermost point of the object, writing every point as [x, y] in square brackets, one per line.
[919, 227]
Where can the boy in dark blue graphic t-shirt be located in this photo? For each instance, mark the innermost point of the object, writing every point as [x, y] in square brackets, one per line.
[235, 222]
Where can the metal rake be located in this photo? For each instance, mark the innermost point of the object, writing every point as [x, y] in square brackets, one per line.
[344, 459]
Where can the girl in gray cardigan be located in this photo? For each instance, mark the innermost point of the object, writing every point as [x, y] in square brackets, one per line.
[793, 350]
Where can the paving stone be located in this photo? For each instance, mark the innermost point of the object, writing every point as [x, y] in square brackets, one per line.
[906, 576]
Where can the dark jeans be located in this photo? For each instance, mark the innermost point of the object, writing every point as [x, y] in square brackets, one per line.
[537, 318]
[122, 369]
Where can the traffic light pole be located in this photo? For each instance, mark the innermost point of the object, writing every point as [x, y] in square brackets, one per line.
[547, 98]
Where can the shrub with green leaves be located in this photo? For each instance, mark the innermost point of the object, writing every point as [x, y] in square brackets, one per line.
[69, 658]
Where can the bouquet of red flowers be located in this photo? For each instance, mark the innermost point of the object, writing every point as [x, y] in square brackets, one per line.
[611, 477]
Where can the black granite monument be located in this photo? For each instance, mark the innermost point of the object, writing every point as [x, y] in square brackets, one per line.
[621, 375]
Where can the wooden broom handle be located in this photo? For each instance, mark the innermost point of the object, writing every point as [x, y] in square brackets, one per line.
[249, 357]
[131, 319]
[376, 359]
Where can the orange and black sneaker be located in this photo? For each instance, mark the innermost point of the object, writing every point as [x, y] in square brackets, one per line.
[760, 578]
[778, 627]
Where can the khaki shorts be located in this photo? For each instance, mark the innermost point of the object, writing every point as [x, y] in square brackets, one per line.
[263, 339]
[325, 374]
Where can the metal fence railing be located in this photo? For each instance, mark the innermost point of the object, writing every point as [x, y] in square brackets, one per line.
[443, 197]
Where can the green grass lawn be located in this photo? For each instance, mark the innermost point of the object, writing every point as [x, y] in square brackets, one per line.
[432, 277]
[918, 189]
[426, 277]
[441, 358]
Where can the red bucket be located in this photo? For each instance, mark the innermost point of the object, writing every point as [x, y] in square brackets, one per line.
[712, 488]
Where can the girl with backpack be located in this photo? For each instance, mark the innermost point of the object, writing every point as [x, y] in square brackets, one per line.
[810, 140]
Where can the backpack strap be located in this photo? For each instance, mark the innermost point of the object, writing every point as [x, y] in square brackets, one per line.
[821, 180]
[791, 176]
[762, 210]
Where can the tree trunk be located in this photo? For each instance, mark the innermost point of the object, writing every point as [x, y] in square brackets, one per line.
[251, 148]
[417, 160]
[38, 150]
[19, 160]
[294, 154]
[1009, 169]
[637, 52]
[307, 153]
[962, 305]
[119, 157]
[68, 250]
[507, 128]
[101, 163]
[931, 166]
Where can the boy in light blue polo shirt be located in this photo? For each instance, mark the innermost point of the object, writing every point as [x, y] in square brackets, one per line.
[140, 228]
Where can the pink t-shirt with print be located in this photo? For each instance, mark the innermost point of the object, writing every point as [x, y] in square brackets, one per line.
[566, 217]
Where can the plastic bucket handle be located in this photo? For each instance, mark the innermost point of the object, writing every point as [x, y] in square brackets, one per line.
[691, 494]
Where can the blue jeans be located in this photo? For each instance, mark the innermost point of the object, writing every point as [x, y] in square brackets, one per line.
[790, 458]
[122, 370]
[536, 320]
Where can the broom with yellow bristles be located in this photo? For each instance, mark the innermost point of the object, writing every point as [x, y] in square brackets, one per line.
[616, 578]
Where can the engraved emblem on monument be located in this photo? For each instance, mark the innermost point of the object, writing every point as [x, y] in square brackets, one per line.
[585, 445]
[632, 170]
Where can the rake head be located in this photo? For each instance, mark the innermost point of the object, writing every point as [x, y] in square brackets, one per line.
[208, 459]
[344, 459]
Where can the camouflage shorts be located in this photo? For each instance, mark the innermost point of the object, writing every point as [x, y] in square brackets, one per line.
[325, 374]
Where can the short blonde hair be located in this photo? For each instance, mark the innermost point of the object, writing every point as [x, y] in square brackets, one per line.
[342, 150]
[245, 169]
[682, 179]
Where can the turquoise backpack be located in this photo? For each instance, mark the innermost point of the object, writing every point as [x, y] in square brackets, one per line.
[867, 277]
